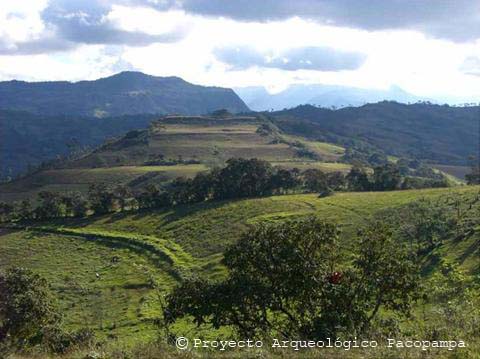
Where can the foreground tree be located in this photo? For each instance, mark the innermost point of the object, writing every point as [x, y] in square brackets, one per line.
[386, 274]
[26, 306]
[287, 279]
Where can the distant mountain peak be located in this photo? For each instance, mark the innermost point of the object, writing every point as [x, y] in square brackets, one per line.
[322, 95]
[124, 93]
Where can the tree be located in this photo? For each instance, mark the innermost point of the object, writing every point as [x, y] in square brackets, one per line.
[243, 178]
[50, 205]
[6, 211]
[403, 166]
[26, 305]
[278, 273]
[24, 209]
[152, 197]
[288, 279]
[201, 187]
[386, 178]
[180, 190]
[420, 182]
[357, 179]
[75, 205]
[473, 177]
[377, 159]
[102, 200]
[315, 180]
[386, 274]
[122, 194]
[283, 180]
[336, 180]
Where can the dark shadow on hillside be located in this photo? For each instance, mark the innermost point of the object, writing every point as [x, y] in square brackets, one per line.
[171, 213]
[157, 257]
[472, 250]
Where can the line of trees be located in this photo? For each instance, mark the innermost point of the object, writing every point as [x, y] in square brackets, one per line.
[240, 178]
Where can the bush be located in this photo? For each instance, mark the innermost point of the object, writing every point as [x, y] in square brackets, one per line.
[288, 280]
[26, 307]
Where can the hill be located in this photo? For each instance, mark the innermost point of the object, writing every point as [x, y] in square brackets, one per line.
[437, 134]
[28, 140]
[178, 146]
[130, 250]
[126, 93]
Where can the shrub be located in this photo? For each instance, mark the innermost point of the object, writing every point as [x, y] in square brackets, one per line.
[287, 279]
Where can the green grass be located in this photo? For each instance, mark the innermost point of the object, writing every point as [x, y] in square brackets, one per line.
[325, 151]
[167, 245]
[205, 229]
[117, 303]
[79, 179]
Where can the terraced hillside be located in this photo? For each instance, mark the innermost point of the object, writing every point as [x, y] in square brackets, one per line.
[204, 139]
[179, 146]
[106, 270]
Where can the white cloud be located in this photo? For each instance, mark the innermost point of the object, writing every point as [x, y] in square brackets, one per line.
[409, 59]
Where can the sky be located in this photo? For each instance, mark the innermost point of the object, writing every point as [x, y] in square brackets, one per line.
[429, 48]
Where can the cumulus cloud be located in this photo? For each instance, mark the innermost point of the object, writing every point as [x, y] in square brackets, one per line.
[457, 20]
[69, 23]
[33, 47]
[303, 58]
[85, 22]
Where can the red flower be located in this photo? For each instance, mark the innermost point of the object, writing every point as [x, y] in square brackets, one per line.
[335, 278]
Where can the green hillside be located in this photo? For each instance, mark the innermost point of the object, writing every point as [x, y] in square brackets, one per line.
[103, 267]
[176, 146]
[125, 93]
[434, 133]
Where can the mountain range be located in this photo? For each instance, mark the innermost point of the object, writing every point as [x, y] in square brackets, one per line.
[259, 99]
[126, 93]
[41, 121]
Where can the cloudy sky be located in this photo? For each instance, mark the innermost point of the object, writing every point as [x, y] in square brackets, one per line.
[427, 47]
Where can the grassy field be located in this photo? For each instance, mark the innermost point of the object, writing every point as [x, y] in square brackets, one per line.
[130, 251]
[99, 285]
[79, 179]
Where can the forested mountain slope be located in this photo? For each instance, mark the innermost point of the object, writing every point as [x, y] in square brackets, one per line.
[125, 93]
[439, 134]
